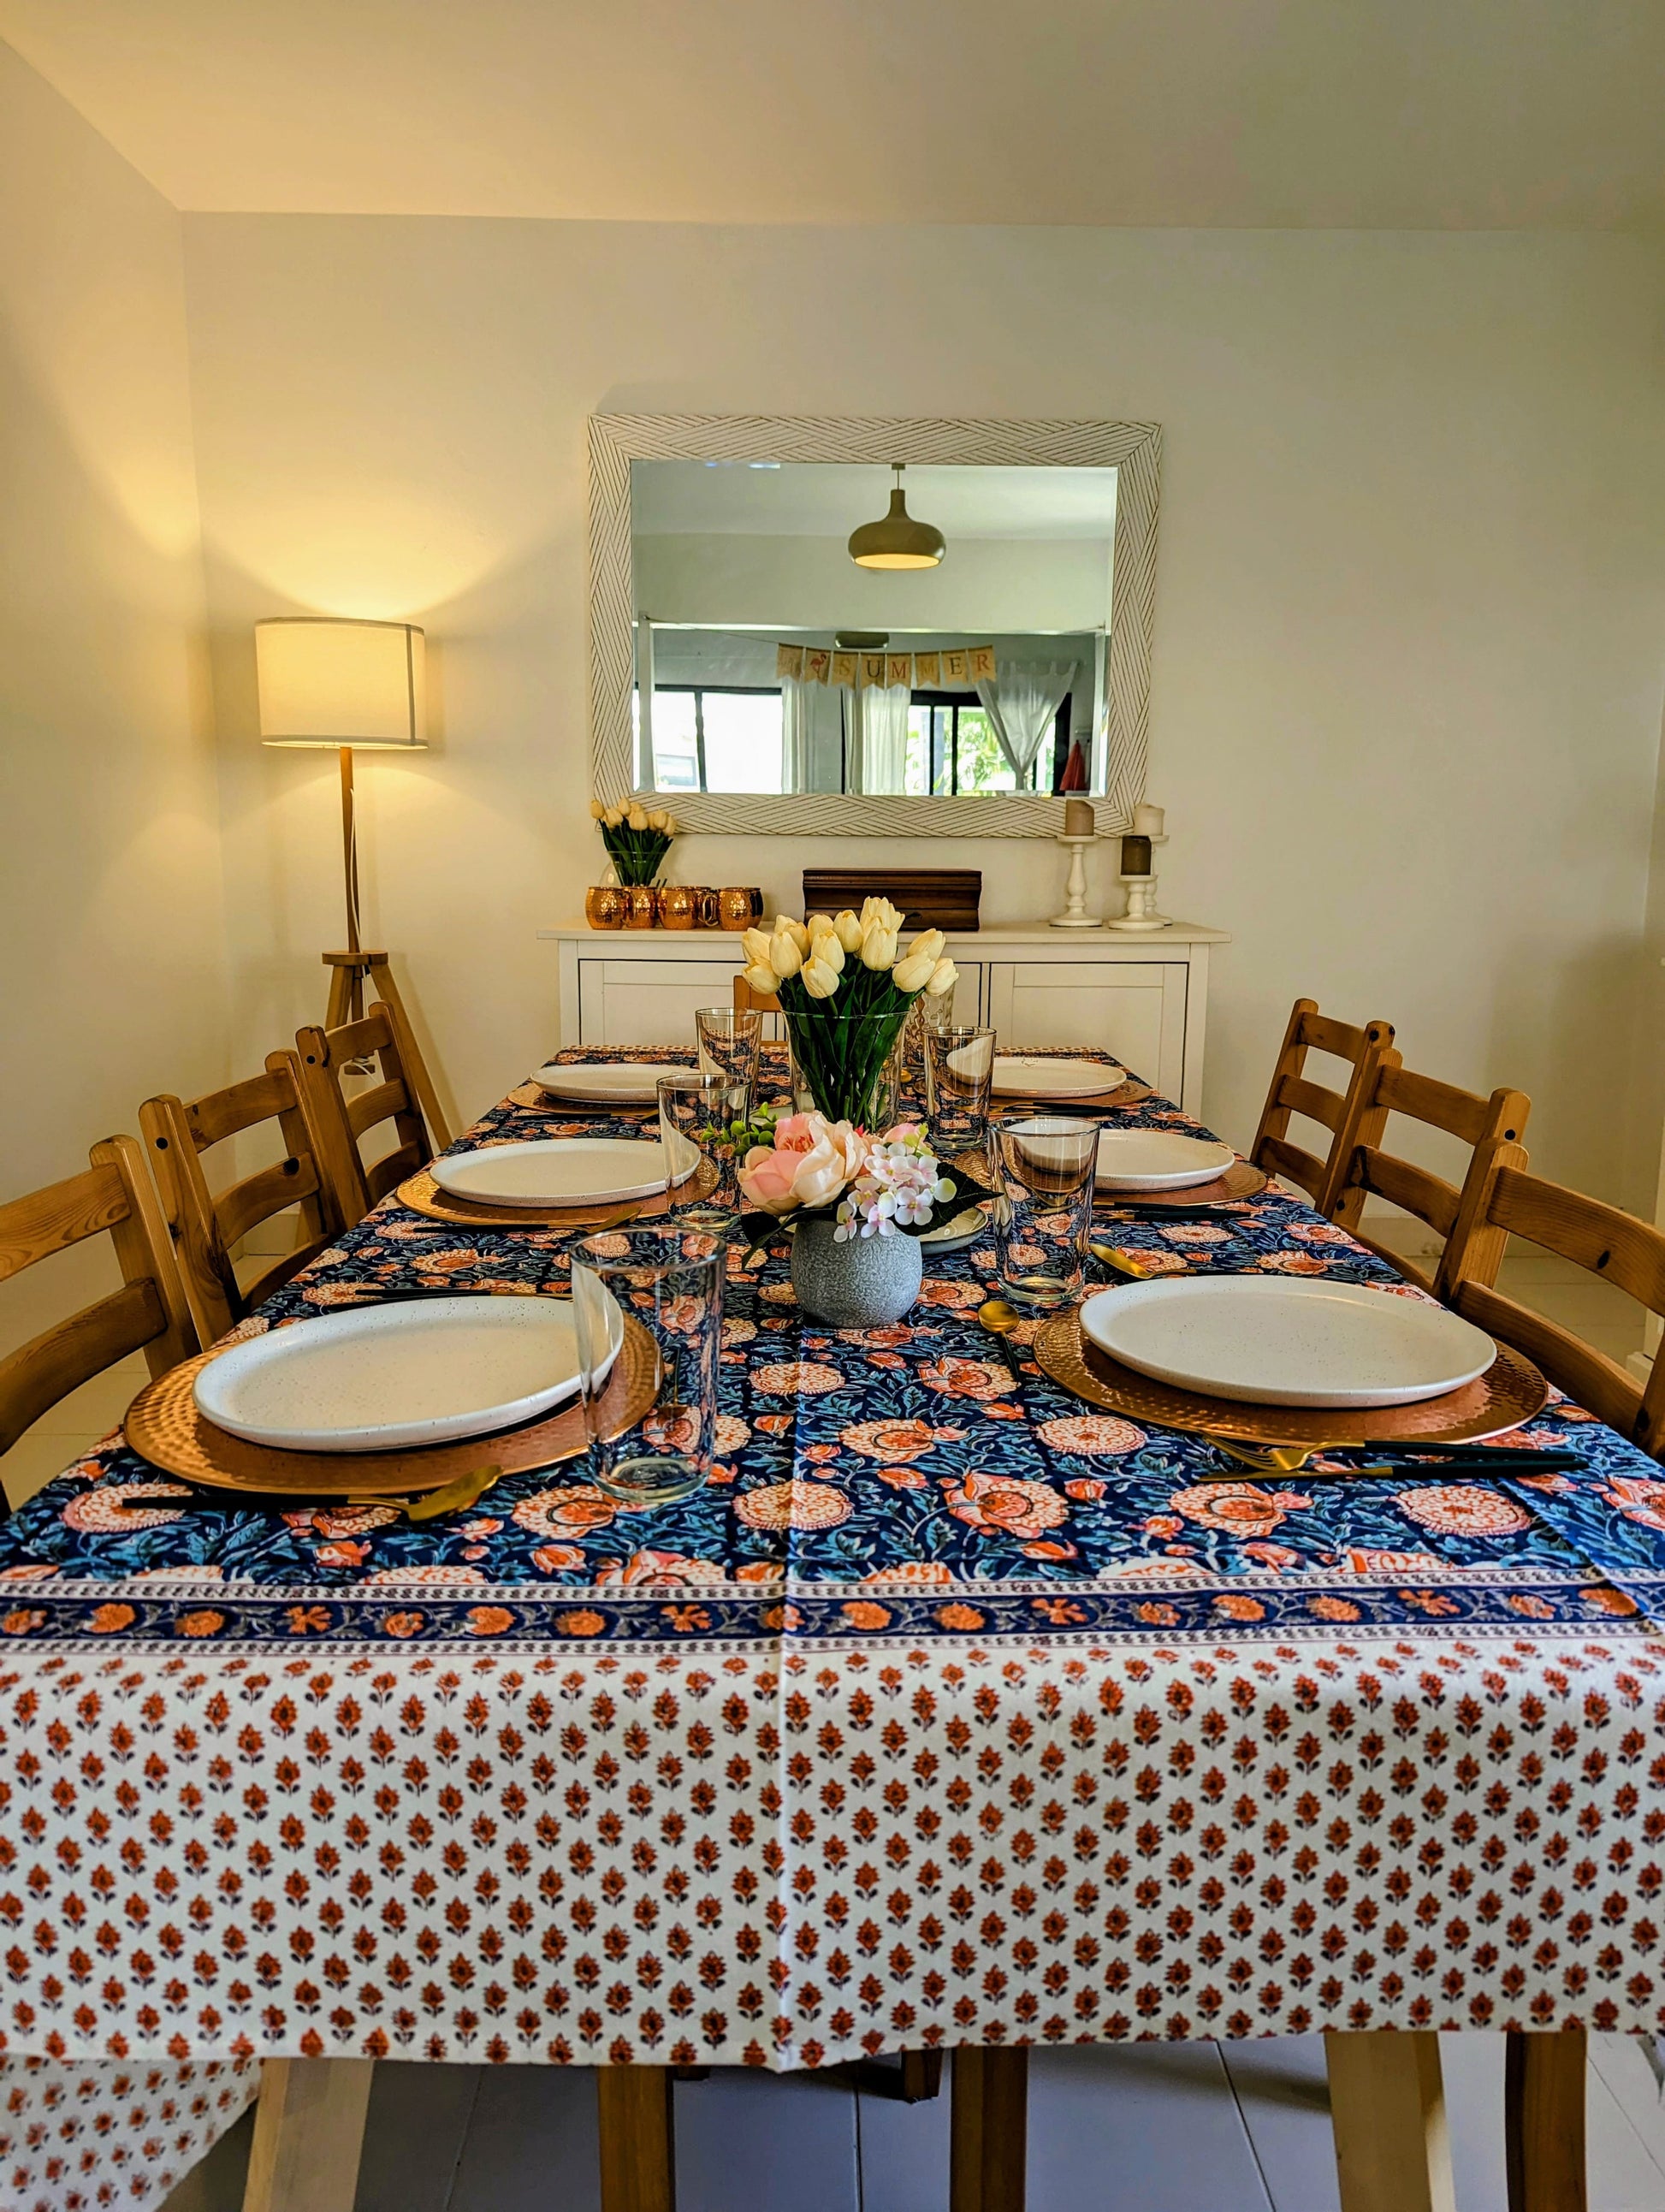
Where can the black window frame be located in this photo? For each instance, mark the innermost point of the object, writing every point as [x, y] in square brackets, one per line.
[955, 699]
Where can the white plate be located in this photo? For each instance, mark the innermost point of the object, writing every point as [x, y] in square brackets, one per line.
[1016, 1078]
[1287, 1343]
[624, 1083]
[373, 1378]
[1157, 1160]
[960, 1229]
[548, 1171]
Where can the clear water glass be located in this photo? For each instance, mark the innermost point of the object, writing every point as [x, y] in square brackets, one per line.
[1043, 1171]
[960, 1067]
[669, 1280]
[729, 1043]
[703, 1117]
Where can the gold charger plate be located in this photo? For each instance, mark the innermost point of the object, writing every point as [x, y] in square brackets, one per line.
[164, 1427]
[1095, 1101]
[574, 1109]
[1510, 1391]
[1239, 1181]
[423, 1196]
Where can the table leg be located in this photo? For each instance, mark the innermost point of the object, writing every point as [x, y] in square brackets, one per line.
[638, 2152]
[1387, 2113]
[987, 2130]
[1544, 2121]
[308, 2132]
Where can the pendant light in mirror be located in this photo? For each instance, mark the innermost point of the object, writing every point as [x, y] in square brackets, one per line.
[896, 541]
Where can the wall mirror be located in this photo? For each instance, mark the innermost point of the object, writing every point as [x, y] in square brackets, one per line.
[903, 629]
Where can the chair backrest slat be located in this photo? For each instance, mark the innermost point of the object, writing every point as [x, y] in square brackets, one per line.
[341, 1122]
[1504, 1200]
[1362, 1166]
[148, 1314]
[1293, 1091]
[206, 1225]
[746, 1000]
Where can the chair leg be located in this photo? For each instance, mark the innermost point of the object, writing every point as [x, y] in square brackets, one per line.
[1388, 2115]
[309, 2132]
[989, 2124]
[638, 2149]
[1544, 2121]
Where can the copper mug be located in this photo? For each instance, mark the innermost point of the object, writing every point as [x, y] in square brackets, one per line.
[735, 910]
[704, 908]
[679, 906]
[603, 906]
[642, 906]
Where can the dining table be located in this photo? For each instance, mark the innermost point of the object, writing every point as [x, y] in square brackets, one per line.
[952, 1716]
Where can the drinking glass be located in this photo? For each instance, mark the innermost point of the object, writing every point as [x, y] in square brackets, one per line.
[729, 1043]
[669, 1279]
[703, 1117]
[960, 1070]
[1044, 1166]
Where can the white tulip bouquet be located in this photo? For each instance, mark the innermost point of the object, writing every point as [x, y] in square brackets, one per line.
[845, 989]
[637, 840]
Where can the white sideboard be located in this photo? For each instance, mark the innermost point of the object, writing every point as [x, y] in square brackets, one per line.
[1144, 998]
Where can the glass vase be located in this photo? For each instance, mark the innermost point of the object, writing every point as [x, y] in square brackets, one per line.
[846, 1066]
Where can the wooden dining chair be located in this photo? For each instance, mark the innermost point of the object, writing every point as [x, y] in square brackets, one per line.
[341, 1122]
[748, 1001]
[148, 1313]
[1363, 1168]
[206, 1225]
[1293, 1092]
[1501, 1199]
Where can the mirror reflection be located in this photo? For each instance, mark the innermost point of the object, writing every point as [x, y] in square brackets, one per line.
[836, 626]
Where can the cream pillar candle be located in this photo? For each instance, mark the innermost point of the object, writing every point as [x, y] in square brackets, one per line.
[1077, 818]
[1147, 820]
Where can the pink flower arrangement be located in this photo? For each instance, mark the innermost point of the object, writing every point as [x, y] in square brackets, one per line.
[883, 1186]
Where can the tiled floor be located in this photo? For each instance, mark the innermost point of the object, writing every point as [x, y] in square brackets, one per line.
[1142, 2128]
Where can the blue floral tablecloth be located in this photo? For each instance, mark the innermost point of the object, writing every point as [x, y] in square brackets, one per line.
[953, 1710]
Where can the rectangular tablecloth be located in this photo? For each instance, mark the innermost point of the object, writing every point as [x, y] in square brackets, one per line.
[953, 1710]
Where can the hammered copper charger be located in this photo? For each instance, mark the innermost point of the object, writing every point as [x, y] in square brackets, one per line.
[423, 1196]
[1510, 1391]
[1095, 1102]
[1240, 1181]
[164, 1427]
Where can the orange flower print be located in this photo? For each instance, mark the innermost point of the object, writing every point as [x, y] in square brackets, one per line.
[774, 1424]
[108, 1618]
[761, 1570]
[569, 1510]
[687, 1619]
[581, 1622]
[21, 1621]
[1236, 1607]
[909, 1574]
[1084, 1491]
[1003, 1505]
[967, 1378]
[558, 1559]
[1061, 1612]
[793, 1505]
[894, 1440]
[818, 1455]
[342, 1555]
[1090, 1436]
[1292, 1263]
[797, 1378]
[1333, 1608]
[887, 1359]
[956, 1297]
[1429, 1602]
[661, 1571]
[1158, 1616]
[861, 1613]
[112, 1512]
[200, 1624]
[1603, 1598]
[310, 1619]
[887, 1337]
[1638, 1497]
[1273, 1555]
[490, 1620]
[960, 1616]
[1362, 1559]
[1463, 1509]
[404, 1625]
[1534, 1608]
[1242, 1509]
[1045, 1547]
[902, 1477]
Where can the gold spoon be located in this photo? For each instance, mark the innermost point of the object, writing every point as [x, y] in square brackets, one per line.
[1109, 1257]
[998, 1317]
[455, 1496]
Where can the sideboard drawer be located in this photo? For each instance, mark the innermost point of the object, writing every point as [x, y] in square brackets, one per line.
[649, 1002]
[1135, 1010]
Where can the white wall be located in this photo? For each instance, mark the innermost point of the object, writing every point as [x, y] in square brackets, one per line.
[810, 583]
[111, 894]
[1407, 697]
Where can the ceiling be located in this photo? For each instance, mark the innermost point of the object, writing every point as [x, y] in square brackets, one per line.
[1334, 113]
[828, 499]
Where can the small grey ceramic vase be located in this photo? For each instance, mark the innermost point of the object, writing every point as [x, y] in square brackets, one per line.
[864, 1284]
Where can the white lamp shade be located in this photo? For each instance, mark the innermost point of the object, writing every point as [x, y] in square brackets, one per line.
[329, 681]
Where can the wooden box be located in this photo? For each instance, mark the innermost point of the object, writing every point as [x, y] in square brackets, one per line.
[930, 898]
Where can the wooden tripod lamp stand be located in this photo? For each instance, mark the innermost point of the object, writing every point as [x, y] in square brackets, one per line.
[330, 682]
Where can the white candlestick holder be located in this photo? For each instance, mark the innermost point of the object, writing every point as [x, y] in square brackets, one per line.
[1075, 914]
[1142, 918]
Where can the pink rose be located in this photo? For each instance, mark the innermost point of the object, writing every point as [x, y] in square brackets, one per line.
[810, 1162]
[797, 1133]
[766, 1179]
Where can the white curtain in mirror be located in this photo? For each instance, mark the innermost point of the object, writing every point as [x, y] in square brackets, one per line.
[1021, 704]
[794, 737]
[883, 722]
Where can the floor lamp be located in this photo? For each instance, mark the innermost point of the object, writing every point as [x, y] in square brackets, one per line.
[330, 682]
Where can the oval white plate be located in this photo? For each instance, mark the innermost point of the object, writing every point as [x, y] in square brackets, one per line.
[1157, 1160]
[626, 1082]
[556, 1171]
[1279, 1342]
[373, 1378]
[1016, 1078]
[960, 1229]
